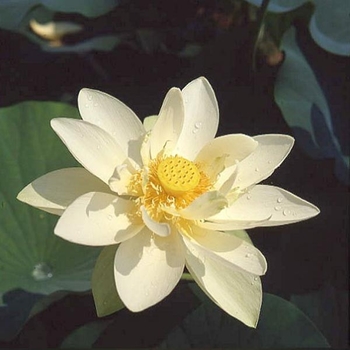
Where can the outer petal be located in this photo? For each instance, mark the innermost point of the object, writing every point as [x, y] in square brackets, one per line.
[238, 293]
[147, 268]
[201, 118]
[270, 153]
[167, 128]
[280, 206]
[91, 146]
[236, 147]
[56, 190]
[98, 219]
[115, 118]
[227, 249]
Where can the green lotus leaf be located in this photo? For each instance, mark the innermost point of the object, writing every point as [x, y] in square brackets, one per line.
[281, 325]
[32, 258]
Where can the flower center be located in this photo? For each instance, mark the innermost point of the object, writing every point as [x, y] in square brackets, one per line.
[178, 175]
[167, 183]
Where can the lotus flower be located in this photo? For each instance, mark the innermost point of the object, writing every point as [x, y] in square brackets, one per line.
[169, 196]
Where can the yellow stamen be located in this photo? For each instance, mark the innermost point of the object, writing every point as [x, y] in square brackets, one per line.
[168, 182]
[178, 175]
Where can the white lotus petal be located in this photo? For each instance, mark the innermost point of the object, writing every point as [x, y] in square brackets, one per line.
[160, 228]
[225, 183]
[56, 190]
[98, 219]
[208, 204]
[167, 128]
[214, 168]
[91, 146]
[147, 269]
[228, 249]
[236, 147]
[237, 293]
[115, 118]
[201, 118]
[282, 207]
[120, 179]
[270, 153]
[149, 122]
[231, 225]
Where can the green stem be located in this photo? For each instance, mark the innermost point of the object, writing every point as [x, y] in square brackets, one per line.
[260, 27]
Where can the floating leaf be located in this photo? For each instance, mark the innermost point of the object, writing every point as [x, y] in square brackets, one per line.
[330, 26]
[88, 8]
[13, 12]
[104, 290]
[46, 301]
[281, 325]
[304, 106]
[31, 256]
[328, 308]
[14, 312]
[279, 5]
[99, 43]
[85, 336]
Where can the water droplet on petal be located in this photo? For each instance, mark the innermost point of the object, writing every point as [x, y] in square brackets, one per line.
[255, 278]
[257, 169]
[194, 131]
[277, 208]
[109, 217]
[269, 162]
[42, 272]
[286, 212]
[86, 105]
[198, 125]
[248, 255]
[279, 200]
[90, 97]
[249, 197]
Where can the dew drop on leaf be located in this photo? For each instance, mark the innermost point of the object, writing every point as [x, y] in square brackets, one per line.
[42, 272]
